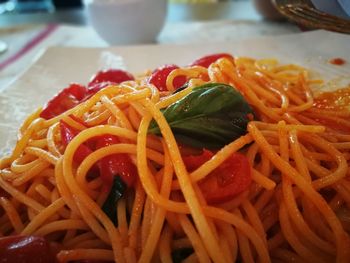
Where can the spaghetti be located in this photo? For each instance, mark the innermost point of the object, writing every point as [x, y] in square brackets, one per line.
[294, 208]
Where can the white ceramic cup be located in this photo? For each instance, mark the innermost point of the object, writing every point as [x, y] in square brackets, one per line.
[127, 21]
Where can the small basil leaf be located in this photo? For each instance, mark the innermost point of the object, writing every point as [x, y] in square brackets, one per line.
[110, 205]
[210, 116]
[179, 255]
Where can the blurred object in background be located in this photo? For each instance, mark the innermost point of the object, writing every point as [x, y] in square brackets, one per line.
[64, 4]
[192, 1]
[332, 7]
[268, 10]
[128, 21]
[317, 14]
[26, 6]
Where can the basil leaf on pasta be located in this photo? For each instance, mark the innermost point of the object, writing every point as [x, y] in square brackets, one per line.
[110, 205]
[210, 116]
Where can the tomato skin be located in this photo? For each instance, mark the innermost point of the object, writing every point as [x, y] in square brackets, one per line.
[64, 100]
[115, 164]
[159, 76]
[228, 180]
[192, 162]
[25, 249]
[112, 76]
[67, 135]
[209, 59]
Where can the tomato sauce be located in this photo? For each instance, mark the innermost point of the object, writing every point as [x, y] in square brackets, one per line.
[337, 61]
[336, 100]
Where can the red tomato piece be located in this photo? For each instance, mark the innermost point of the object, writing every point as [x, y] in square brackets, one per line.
[231, 178]
[160, 75]
[64, 100]
[115, 164]
[114, 76]
[67, 135]
[207, 60]
[192, 162]
[26, 249]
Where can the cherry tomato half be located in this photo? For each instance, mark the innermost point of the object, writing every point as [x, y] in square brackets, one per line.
[160, 75]
[115, 164]
[25, 249]
[115, 76]
[231, 178]
[209, 59]
[64, 100]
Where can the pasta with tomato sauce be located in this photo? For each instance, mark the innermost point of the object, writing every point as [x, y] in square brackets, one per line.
[224, 160]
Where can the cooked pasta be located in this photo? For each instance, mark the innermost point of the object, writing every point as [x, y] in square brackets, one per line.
[294, 208]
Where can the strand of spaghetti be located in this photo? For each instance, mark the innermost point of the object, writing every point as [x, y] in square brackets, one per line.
[21, 197]
[309, 98]
[116, 112]
[21, 143]
[164, 244]
[201, 222]
[135, 219]
[342, 168]
[231, 237]
[82, 197]
[195, 239]
[73, 123]
[63, 188]
[39, 143]
[294, 212]
[61, 225]
[340, 236]
[43, 191]
[42, 154]
[292, 238]
[262, 180]
[23, 163]
[93, 243]
[158, 220]
[192, 72]
[88, 254]
[69, 243]
[148, 181]
[290, 127]
[244, 86]
[51, 144]
[243, 242]
[29, 120]
[12, 214]
[31, 173]
[146, 221]
[43, 216]
[173, 98]
[254, 219]
[275, 87]
[262, 92]
[122, 221]
[292, 208]
[134, 117]
[94, 225]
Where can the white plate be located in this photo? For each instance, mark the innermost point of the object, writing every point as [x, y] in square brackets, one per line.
[59, 66]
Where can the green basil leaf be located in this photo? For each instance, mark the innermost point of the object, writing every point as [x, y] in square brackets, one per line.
[210, 116]
[110, 205]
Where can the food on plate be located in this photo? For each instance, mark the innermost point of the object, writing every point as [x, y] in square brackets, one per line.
[228, 159]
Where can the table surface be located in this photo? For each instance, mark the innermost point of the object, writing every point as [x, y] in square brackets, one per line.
[28, 34]
[238, 10]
